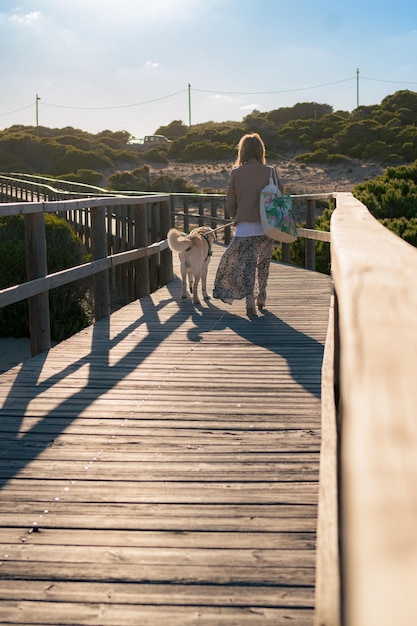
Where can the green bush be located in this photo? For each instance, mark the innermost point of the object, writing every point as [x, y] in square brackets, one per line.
[88, 177]
[321, 155]
[137, 180]
[392, 195]
[171, 184]
[155, 156]
[141, 180]
[68, 310]
[207, 150]
[404, 228]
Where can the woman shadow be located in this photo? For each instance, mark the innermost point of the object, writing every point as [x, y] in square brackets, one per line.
[303, 354]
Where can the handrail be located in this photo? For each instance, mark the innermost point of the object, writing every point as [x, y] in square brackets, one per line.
[16, 293]
[375, 364]
[62, 186]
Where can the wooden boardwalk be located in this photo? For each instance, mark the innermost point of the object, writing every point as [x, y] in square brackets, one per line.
[161, 467]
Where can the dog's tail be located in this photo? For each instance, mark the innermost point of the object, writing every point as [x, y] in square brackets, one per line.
[178, 241]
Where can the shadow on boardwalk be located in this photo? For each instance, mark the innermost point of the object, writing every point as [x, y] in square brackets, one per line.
[268, 331]
[302, 353]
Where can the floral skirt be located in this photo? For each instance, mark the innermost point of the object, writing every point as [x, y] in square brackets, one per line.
[243, 269]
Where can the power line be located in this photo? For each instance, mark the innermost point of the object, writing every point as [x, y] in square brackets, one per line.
[121, 106]
[397, 82]
[18, 110]
[258, 93]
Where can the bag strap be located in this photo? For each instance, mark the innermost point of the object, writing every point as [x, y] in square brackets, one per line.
[273, 175]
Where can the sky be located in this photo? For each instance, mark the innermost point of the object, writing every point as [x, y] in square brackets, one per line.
[136, 65]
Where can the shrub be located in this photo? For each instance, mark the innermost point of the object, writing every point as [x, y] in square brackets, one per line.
[392, 195]
[69, 312]
[140, 180]
[155, 156]
[88, 177]
[171, 184]
[318, 156]
[206, 149]
[404, 228]
[75, 159]
[137, 180]
[321, 155]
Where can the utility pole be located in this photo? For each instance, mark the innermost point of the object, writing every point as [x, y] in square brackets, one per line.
[357, 87]
[37, 110]
[189, 105]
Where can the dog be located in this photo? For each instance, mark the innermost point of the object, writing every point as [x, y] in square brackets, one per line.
[195, 252]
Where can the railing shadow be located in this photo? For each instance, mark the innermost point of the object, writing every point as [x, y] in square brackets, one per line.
[268, 331]
[18, 449]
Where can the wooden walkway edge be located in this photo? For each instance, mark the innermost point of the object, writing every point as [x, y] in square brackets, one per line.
[161, 467]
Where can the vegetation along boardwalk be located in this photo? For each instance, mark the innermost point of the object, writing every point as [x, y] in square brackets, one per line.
[161, 467]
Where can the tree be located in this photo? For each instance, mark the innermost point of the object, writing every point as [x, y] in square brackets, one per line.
[175, 129]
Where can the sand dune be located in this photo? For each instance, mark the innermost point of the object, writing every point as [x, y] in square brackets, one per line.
[297, 177]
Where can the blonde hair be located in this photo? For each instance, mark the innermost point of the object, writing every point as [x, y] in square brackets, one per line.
[250, 146]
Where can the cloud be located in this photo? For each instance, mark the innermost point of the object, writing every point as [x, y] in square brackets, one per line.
[251, 107]
[221, 97]
[152, 64]
[29, 19]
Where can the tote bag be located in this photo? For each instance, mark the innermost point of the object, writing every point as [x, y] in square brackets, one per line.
[277, 215]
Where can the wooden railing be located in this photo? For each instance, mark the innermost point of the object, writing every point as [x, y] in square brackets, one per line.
[367, 532]
[127, 238]
[188, 210]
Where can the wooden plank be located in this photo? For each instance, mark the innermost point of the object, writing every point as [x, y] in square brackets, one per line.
[158, 539]
[168, 570]
[107, 615]
[117, 593]
[183, 470]
[168, 492]
[176, 520]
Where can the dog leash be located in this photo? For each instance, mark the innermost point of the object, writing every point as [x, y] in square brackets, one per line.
[214, 230]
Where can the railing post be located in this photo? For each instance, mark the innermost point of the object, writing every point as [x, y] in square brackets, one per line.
[101, 279]
[155, 236]
[172, 205]
[128, 274]
[213, 212]
[141, 241]
[165, 257]
[186, 215]
[310, 254]
[285, 252]
[36, 267]
[123, 246]
[201, 221]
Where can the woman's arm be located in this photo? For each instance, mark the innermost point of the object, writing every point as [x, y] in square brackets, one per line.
[231, 202]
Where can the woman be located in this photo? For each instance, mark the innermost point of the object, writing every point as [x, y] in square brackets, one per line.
[250, 249]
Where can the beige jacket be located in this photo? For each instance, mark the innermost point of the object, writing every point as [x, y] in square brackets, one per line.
[243, 192]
